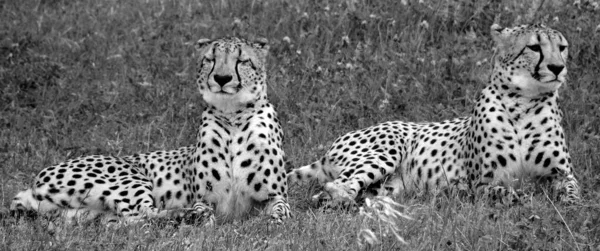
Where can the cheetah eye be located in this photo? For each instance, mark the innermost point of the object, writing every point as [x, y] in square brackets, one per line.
[245, 62]
[535, 47]
[562, 48]
[210, 60]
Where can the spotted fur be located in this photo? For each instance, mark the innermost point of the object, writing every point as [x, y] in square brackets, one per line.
[239, 159]
[513, 132]
[236, 164]
[94, 186]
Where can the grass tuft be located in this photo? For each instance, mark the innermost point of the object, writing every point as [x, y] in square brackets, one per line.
[381, 211]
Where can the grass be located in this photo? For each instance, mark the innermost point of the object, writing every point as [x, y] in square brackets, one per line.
[116, 77]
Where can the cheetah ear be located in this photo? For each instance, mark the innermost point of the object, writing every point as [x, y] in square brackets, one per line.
[203, 49]
[256, 50]
[262, 44]
[499, 35]
[496, 31]
[201, 43]
[538, 25]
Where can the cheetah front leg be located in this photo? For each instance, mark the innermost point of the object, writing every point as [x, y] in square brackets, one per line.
[370, 168]
[553, 163]
[199, 212]
[275, 190]
[146, 209]
[500, 190]
[563, 180]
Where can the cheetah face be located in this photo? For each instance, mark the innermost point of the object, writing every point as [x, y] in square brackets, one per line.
[532, 57]
[231, 72]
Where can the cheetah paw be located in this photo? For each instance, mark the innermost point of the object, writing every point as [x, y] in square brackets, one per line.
[205, 215]
[335, 196]
[568, 191]
[200, 213]
[500, 195]
[279, 213]
[320, 198]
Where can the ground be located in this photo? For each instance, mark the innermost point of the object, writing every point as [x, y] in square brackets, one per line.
[116, 77]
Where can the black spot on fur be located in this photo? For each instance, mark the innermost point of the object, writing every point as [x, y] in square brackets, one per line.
[250, 178]
[215, 174]
[502, 160]
[246, 163]
[257, 187]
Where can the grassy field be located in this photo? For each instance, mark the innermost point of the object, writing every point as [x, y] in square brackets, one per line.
[116, 77]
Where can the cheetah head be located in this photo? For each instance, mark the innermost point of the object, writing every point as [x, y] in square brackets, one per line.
[532, 58]
[232, 72]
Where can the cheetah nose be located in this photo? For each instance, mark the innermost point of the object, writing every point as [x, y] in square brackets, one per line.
[556, 69]
[222, 79]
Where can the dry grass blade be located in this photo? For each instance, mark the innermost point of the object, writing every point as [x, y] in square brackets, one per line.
[382, 212]
[562, 219]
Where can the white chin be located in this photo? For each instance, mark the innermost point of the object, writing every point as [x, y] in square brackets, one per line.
[533, 87]
[223, 91]
[552, 83]
[228, 102]
[549, 80]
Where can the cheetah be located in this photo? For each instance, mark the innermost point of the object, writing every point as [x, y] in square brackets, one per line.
[89, 187]
[512, 132]
[236, 164]
[239, 161]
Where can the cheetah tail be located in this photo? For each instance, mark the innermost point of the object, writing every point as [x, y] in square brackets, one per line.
[23, 201]
[308, 172]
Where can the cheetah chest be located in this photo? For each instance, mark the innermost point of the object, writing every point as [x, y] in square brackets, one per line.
[519, 140]
[243, 151]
